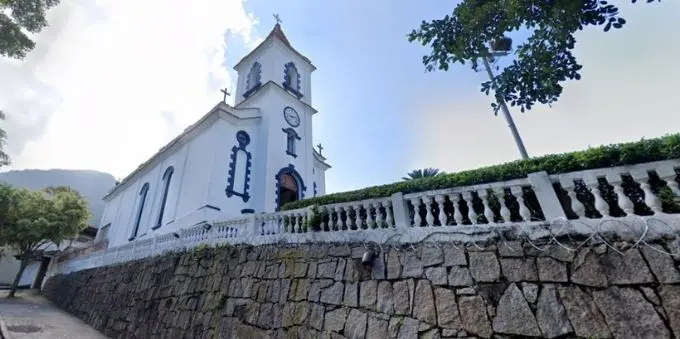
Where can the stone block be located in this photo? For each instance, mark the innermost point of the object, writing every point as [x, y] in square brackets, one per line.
[423, 303]
[484, 266]
[335, 319]
[516, 270]
[661, 263]
[447, 308]
[583, 314]
[412, 267]
[355, 327]
[551, 315]
[454, 256]
[617, 304]
[437, 275]
[514, 316]
[385, 299]
[431, 255]
[551, 270]
[473, 316]
[368, 294]
[459, 276]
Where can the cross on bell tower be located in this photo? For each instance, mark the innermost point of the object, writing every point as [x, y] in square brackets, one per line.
[278, 19]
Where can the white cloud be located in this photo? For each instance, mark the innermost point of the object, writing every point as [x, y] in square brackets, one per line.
[112, 81]
[628, 91]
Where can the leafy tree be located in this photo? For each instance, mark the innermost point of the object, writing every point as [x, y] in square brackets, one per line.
[17, 19]
[541, 64]
[422, 173]
[35, 219]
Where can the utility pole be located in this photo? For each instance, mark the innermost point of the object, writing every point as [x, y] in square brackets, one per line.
[504, 108]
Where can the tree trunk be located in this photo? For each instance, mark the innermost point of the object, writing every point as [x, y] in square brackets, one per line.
[15, 284]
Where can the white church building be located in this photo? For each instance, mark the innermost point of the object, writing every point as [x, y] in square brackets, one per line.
[250, 158]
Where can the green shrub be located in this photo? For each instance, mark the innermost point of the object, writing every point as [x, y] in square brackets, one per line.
[663, 148]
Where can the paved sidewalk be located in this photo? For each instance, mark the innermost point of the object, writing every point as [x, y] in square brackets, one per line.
[31, 316]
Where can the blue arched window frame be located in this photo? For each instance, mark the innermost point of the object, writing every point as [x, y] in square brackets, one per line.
[253, 79]
[290, 169]
[292, 85]
[167, 179]
[242, 139]
[140, 209]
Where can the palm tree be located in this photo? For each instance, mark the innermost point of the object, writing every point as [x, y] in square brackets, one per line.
[422, 173]
[4, 158]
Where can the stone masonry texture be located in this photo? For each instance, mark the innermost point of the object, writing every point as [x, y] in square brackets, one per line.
[503, 290]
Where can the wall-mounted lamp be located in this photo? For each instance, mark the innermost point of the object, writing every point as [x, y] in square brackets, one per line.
[207, 227]
[367, 258]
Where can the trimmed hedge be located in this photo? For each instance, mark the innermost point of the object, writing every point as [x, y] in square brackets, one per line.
[645, 150]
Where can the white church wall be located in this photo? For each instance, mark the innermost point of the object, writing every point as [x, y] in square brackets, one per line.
[246, 164]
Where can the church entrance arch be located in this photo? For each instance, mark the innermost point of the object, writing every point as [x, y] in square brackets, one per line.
[290, 186]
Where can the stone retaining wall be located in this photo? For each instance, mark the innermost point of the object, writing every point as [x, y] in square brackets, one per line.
[323, 291]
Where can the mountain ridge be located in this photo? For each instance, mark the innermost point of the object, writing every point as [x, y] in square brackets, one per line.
[92, 184]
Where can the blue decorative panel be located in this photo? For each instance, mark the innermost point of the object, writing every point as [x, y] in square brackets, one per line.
[292, 85]
[243, 139]
[301, 185]
[253, 79]
[167, 178]
[140, 209]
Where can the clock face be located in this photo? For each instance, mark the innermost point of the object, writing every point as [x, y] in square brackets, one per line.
[291, 116]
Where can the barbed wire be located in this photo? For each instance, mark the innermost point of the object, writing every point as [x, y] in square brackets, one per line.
[628, 232]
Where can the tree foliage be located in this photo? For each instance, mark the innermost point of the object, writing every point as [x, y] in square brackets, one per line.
[630, 153]
[18, 19]
[422, 173]
[32, 220]
[540, 64]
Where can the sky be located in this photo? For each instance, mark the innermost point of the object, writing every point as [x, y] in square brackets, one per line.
[112, 81]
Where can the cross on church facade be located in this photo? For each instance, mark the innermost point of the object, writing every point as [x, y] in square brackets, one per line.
[320, 148]
[225, 92]
[278, 19]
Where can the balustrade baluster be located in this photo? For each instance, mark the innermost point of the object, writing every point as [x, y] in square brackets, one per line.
[440, 199]
[369, 215]
[673, 185]
[504, 210]
[576, 205]
[379, 219]
[429, 217]
[417, 221]
[488, 212]
[472, 215]
[457, 215]
[623, 201]
[344, 223]
[389, 218]
[651, 200]
[518, 193]
[357, 217]
[600, 204]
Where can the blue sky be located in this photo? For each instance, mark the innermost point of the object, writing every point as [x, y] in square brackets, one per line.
[137, 80]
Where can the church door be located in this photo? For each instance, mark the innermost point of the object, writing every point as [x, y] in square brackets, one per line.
[288, 189]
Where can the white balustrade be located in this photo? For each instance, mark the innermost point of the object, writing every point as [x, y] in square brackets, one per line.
[584, 195]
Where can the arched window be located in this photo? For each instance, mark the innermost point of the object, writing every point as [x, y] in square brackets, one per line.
[167, 179]
[140, 209]
[253, 79]
[291, 79]
[238, 181]
[291, 139]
